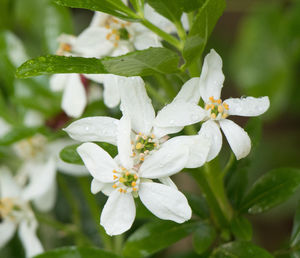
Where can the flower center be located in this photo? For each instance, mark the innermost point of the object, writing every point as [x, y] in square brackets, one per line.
[127, 180]
[118, 30]
[7, 206]
[143, 145]
[218, 109]
[31, 147]
[63, 47]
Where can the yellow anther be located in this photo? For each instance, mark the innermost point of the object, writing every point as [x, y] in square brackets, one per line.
[219, 101]
[133, 184]
[114, 171]
[116, 44]
[142, 158]
[120, 190]
[224, 115]
[124, 191]
[122, 179]
[220, 109]
[117, 37]
[114, 31]
[212, 106]
[134, 189]
[108, 36]
[67, 47]
[154, 144]
[127, 173]
[135, 177]
[152, 136]
[115, 177]
[140, 134]
[207, 106]
[213, 115]
[226, 106]
[139, 146]
[114, 186]
[123, 25]
[123, 168]
[212, 99]
[133, 154]
[115, 20]
[107, 26]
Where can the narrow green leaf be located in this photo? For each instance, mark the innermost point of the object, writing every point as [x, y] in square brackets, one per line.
[138, 63]
[198, 205]
[69, 153]
[77, 252]
[113, 7]
[155, 236]
[203, 237]
[241, 228]
[201, 29]
[170, 9]
[295, 237]
[19, 133]
[271, 189]
[240, 250]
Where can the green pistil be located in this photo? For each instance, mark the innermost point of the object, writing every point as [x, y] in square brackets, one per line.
[128, 179]
[147, 145]
[123, 34]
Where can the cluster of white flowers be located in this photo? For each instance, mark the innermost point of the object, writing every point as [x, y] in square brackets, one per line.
[147, 156]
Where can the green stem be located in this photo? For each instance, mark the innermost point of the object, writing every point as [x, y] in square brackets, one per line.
[167, 37]
[229, 164]
[118, 244]
[181, 31]
[163, 82]
[155, 94]
[95, 211]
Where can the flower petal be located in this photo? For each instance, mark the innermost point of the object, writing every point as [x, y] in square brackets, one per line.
[136, 104]
[96, 129]
[98, 19]
[99, 163]
[145, 40]
[7, 231]
[179, 113]
[29, 239]
[165, 202]
[166, 161]
[237, 138]
[159, 132]
[189, 92]
[8, 185]
[211, 130]
[58, 81]
[212, 77]
[92, 42]
[248, 106]
[97, 186]
[168, 181]
[111, 92]
[46, 201]
[118, 213]
[124, 142]
[74, 96]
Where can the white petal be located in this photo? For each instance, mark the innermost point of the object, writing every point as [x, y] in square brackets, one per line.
[118, 213]
[237, 138]
[212, 77]
[98, 162]
[179, 113]
[8, 185]
[58, 81]
[46, 202]
[165, 202]
[159, 132]
[74, 96]
[111, 92]
[92, 42]
[124, 142]
[66, 39]
[168, 181]
[97, 128]
[164, 162]
[248, 106]
[98, 19]
[189, 92]
[33, 118]
[211, 130]
[145, 40]
[41, 178]
[136, 104]
[97, 186]
[7, 231]
[30, 241]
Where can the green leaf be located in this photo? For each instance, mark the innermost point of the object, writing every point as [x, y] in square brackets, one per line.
[241, 228]
[138, 63]
[240, 250]
[19, 133]
[155, 236]
[201, 29]
[77, 252]
[113, 7]
[69, 153]
[198, 205]
[191, 5]
[203, 237]
[254, 129]
[295, 237]
[271, 189]
[168, 8]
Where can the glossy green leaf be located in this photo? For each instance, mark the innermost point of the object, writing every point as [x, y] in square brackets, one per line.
[155, 236]
[201, 29]
[240, 250]
[198, 204]
[203, 237]
[191, 5]
[271, 189]
[114, 7]
[19, 133]
[168, 8]
[138, 63]
[77, 252]
[69, 153]
[241, 228]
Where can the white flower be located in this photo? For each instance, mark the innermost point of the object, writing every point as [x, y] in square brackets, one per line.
[215, 111]
[146, 138]
[122, 180]
[15, 212]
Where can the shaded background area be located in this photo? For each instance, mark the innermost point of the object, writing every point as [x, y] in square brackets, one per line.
[259, 42]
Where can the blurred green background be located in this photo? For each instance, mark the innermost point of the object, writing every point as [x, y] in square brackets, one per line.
[259, 42]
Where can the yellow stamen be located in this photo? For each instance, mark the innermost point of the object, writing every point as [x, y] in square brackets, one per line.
[116, 44]
[207, 107]
[219, 101]
[212, 99]
[115, 177]
[127, 173]
[114, 31]
[133, 183]
[135, 177]
[220, 109]
[114, 171]
[142, 158]
[123, 168]
[118, 37]
[140, 134]
[134, 189]
[107, 26]
[152, 136]
[212, 106]
[224, 115]
[213, 115]
[108, 36]
[67, 47]
[120, 190]
[139, 146]
[114, 186]
[122, 179]
[226, 106]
